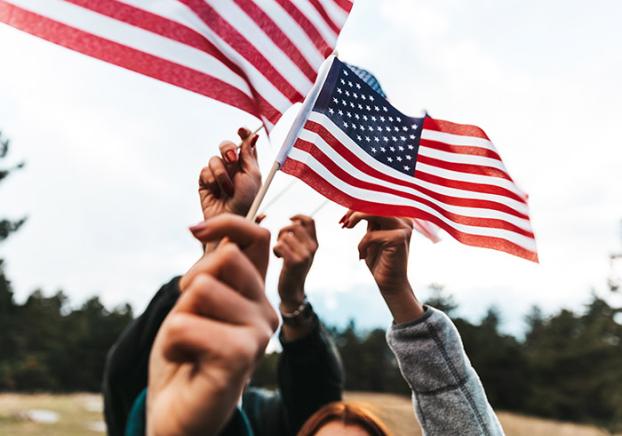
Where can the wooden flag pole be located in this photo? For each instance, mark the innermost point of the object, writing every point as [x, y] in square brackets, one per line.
[262, 192]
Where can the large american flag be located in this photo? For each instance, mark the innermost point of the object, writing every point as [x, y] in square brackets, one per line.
[358, 150]
[260, 56]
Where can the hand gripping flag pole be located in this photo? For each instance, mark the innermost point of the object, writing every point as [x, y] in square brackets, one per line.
[294, 130]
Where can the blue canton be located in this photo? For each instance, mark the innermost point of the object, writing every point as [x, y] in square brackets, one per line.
[370, 120]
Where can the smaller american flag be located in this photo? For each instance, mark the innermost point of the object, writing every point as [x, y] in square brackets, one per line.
[358, 150]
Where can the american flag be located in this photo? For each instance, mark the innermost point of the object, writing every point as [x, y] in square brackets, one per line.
[260, 56]
[358, 150]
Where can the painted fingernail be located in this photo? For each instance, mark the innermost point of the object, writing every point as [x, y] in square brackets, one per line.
[231, 156]
[199, 226]
[254, 140]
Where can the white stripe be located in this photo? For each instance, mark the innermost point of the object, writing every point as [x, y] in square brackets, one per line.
[452, 139]
[184, 15]
[382, 198]
[117, 31]
[335, 12]
[344, 164]
[318, 22]
[461, 158]
[264, 45]
[294, 32]
[452, 175]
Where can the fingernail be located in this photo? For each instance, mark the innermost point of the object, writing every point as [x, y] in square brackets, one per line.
[199, 226]
[254, 140]
[230, 156]
[242, 131]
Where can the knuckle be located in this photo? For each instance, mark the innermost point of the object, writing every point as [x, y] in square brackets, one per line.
[263, 234]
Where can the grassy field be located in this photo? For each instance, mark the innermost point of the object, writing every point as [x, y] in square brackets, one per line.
[81, 414]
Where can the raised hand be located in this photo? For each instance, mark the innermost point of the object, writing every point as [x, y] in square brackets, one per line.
[230, 182]
[385, 248]
[296, 245]
[208, 346]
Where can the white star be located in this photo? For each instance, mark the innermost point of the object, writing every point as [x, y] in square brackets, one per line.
[355, 95]
[404, 128]
[356, 116]
[370, 128]
[411, 147]
[335, 100]
[358, 86]
[412, 136]
[347, 93]
[384, 108]
[376, 108]
[391, 119]
[396, 129]
[349, 84]
[376, 139]
[398, 119]
[363, 97]
[340, 112]
[390, 159]
[373, 150]
[353, 126]
[358, 137]
[382, 119]
[399, 159]
[393, 138]
[360, 106]
[352, 105]
[331, 111]
[339, 90]
[414, 126]
[373, 118]
[367, 138]
[385, 139]
[349, 115]
[367, 107]
[343, 102]
[402, 138]
[392, 148]
[345, 73]
[343, 82]
[388, 129]
[408, 157]
[345, 125]
[379, 129]
[400, 148]
[406, 167]
[383, 149]
[371, 97]
[365, 117]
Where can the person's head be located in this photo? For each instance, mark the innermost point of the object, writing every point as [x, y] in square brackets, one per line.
[343, 419]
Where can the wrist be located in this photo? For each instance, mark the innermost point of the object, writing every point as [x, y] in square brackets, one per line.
[403, 304]
[291, 299]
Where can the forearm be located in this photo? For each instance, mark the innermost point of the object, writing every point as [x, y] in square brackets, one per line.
[448, 395]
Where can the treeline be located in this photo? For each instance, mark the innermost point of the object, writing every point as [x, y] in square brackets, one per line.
[567, 367]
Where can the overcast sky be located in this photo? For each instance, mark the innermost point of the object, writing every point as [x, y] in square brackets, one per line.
[113, 157]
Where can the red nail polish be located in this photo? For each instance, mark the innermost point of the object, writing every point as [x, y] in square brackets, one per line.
[230, 156]
[254, 140]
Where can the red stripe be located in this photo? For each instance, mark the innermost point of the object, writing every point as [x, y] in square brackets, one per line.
[351, 157]
[241, 45]
[280, 39]
[346, 5]
[322, 45]
[460, 149]
[125, 57]
[453, 128]
[314, 180]
[467, 186]
[318, 7]
[464, 168]
[353, 181]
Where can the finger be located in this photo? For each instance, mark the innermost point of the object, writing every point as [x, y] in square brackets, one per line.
[244, 132]
[382, 221]
[248, 154]
[208, 181]
[252, 239]
[212, 298]
[221, 175]
[307, 222]
[382, 237]
[295, 229]
[259, 218]
[228, 152]
[282, 250]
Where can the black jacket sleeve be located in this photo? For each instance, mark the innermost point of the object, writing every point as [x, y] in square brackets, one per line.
[310, 375]
[127, 363]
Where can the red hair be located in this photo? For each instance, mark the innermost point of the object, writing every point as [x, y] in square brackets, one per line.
[347, 414]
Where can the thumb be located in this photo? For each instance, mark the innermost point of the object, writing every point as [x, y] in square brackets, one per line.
[248, 153]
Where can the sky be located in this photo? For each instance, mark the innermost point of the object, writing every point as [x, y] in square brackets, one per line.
[112, 158]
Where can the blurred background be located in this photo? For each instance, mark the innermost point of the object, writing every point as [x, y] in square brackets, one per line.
[98, 214]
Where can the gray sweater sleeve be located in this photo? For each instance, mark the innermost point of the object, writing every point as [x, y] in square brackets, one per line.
[448, 397]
